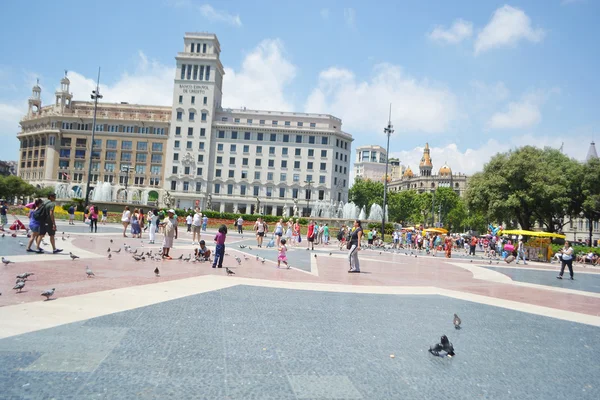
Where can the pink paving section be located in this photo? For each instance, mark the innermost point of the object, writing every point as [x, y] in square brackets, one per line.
[69, 278]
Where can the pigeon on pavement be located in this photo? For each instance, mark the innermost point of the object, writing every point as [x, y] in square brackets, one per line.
[21, 244]
[180, 257]
[89, 272]
[109, 256]
[117, 251]
[111, 240]
[25, 275]
[263, 260]
[444, 345]
[6, 261]
[456, 321]
[239, 260]
[229, 272]
[73, 256]
[156, 271]
[48, 293]
[19, 286]
[188, 258]
[108, 251]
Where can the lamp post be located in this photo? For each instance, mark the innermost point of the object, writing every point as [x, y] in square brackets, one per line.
[433, 210]
[308, 194]
[95, 96]
[388, 130]
[126, 169]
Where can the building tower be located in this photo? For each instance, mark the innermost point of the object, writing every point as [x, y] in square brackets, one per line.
[35, 101]
[63, 97]
[591, 152]
[197, 96]
[426, 166]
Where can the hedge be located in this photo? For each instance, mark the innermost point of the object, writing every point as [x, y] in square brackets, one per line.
[232, 216]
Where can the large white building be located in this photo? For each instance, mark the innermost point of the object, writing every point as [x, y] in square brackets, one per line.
[246, 161]
[370, 164]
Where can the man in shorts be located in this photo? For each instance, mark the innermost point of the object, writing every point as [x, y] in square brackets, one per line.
[261, 228]
[104, 216]
[3, 213]
[72, 215]
[48, 224]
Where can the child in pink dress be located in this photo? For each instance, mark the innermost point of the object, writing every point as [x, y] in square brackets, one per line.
[282, 255]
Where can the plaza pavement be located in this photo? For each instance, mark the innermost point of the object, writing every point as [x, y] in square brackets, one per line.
[311, 332]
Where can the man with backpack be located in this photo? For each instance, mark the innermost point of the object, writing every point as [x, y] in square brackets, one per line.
[45, 216]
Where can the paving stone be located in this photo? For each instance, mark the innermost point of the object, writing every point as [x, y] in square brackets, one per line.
[323, 387]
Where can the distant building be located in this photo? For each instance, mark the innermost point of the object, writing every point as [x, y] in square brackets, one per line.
[8, 168]
[591, 152]
[427, 180]
[370, 162]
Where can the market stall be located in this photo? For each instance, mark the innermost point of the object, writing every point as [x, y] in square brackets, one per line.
[537, 247]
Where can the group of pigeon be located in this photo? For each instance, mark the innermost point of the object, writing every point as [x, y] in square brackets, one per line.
[445, 345]
[22, 279]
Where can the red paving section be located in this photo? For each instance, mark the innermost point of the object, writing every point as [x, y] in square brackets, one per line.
[69, 278]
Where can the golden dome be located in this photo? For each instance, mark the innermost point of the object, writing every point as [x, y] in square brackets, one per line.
[408, 173]
[445, 170]
[426, 159]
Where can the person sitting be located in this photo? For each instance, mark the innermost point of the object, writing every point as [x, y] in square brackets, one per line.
[202, 253]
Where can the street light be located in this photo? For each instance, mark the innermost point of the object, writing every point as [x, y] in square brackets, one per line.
[95, 96]
[388, 130]
[126, 169]
[308, 182]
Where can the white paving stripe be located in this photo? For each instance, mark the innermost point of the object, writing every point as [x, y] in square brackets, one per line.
[30, 317]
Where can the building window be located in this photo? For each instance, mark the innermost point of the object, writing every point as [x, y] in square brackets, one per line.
[300, 124]
[243, 190]
[269, 191]
[256, 190]
[156, 159]
[193, 101]
[258, 149]
[208, 72]
[296, 177]
[204, 47]
[313, 125]
[321, 194]
[311, 140]
[323, 166]
[198, 187]
[286, 138]
[322, 179]
[257, 162]
[195, 73]
[179, 115]
[201, 75]
[271, 150]
[296, 164]
[201, 158]
[244, 174]
[274, 123]
[294, 193]
[323, 153]
[236, 120]
[155, 170]
[204, 116]
[188, 145]
[177, 131]
[217, 188]
[298, 152]
[311, 152]
[173, 185]
[284, 151]
[271, 164]
[261, 122]
[231, 173]
[202, 132]
[192, 115]
[230, 189]
[259, 137]
[219, 160]
[281, 193]
[221, 134]
[140, 157]
[244, 162]
[199, 171]
[175, 156]
[283, 163]
[218, 173]
[232, 148]
[231, 160]
[273, 137]
[174, 169]
[257, 175]
[246, 149]
[309, 165]
[200, 145]
[182, 73]
[176, 144]
[234, 135]
[190, 131]
[247, 135]
[283, 177]
[205, 100]
[186, 186]
[324, 140]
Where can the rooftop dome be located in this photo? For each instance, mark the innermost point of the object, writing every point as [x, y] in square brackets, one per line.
[445, 170]
[408, 173]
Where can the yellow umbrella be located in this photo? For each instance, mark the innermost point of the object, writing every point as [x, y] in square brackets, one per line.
[437, 230]
[532, 233]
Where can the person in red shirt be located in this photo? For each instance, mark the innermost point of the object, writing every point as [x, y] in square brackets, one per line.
[473, 244]
[310, 235]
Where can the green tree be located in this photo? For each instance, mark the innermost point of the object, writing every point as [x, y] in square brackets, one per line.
[526, 185]
[365, 192]
[422, 208]
[401, 205]
[43, 193]
[456, 217]
[12, 187]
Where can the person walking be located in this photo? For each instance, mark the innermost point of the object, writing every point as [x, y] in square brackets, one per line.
[93, 216]
[71, 215]
[240, 225]
[48, 223]
[3, 214]
[136, 228]
[204, 223]
[448, 243]
[188, 222]
[152, 219]
[326, 233]
[34, 226]
[355, 239]
[473, 245]
[196, 225]
[170, 225]
[289, 231]
[261, 229]
[521, 251]
[125, 219]
[220, 246]
[567, 260]
[296, 233]
[278, 232]
[310, 236]
[282, 256]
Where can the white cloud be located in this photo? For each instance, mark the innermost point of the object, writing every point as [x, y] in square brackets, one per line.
[417, 106]
[472, 160]
[508, 26]
[210, 13]
[524, 113]
[350, 16]
[459, 31]
[261, 81]
[324, 13]
[150, 83]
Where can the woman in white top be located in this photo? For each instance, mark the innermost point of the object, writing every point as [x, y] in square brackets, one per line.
[152, 219]
[125, 219]
[567, 260]
[196, 224]
[240, 225]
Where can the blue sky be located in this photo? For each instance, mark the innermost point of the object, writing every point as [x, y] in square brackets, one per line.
[469, 77]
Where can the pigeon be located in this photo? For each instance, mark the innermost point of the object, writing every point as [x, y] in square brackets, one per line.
[257, 258]
[249, 248]
[136, 258]
[156, 271]
[21, 244]
[263, 260]
[180, 257]
[108, 251]
[63, 238]
[444, 345]
[242, 246]
[229, 272]
[111, 240]
[48, 293]
[25, 275]
[245, 257]
[109, 256]
[6, 261]
[330, 253]
[19, 286]
[20, 280]
[117, 251]
[4, 234]
[188, 258]
[315, 256]
[239, 260]
[456, 321]
[89, 272]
